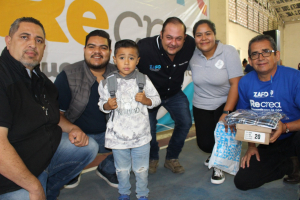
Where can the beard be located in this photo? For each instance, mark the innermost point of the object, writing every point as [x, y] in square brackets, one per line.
[29, 61]
[91, 66]
[30, 64]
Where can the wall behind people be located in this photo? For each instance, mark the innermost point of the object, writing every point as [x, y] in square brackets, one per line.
[67, 22]
[219, 16]
[235, 34]
[291, 45]
[239, 37]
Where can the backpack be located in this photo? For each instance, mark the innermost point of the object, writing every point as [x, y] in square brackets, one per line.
[112, 86]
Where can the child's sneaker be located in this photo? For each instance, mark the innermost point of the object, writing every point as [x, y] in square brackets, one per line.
[143, 198]
[218, 176]
[124, 197]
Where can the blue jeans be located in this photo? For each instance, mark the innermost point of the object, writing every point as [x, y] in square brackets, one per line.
[138, 159]
[178, 107]
[67, 162]
[107, 165]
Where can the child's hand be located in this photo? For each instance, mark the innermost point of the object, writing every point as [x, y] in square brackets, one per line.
[141, 97]
[111, 104]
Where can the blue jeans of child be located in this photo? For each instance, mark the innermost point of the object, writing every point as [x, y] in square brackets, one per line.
[67, 162]
[138, 159]
[178, 107]
[107, 165]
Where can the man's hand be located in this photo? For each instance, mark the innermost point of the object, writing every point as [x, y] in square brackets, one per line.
[111, 104]
[78, 137]
[141, 97]
[276, 133]
[252, 150]
[38, 194]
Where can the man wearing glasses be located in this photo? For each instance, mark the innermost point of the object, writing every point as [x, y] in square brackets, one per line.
[270, 87]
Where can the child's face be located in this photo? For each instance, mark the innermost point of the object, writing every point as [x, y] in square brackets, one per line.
[126, 60]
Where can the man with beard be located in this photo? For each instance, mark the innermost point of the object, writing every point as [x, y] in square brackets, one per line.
[78, 98]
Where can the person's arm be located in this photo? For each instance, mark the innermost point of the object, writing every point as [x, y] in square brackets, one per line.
[151, 95]
[235, 73]
[292, 126]
[233, 96]
[76, 135]
[106, 103]
[13, 168]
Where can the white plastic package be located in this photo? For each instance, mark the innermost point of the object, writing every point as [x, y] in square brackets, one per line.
[226, 152]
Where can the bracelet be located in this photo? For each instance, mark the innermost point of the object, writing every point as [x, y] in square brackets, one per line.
[226, 111]
[286, 128]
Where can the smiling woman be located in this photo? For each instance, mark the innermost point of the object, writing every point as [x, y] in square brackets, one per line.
[216, 71]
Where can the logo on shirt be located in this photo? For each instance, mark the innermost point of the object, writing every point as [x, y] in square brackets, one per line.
[155, 68]
[219, 64]
[255, 104]
[261, 94]
[271, 93]
[183, 63]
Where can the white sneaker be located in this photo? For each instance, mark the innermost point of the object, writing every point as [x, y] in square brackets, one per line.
[206, 162]
[218, 176]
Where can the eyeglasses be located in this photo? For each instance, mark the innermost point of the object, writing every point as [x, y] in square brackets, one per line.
[265, 53]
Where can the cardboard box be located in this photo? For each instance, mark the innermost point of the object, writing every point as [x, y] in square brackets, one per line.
[251, 133]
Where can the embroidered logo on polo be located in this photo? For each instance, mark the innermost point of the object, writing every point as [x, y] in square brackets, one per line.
[183, 63]
[155, 68]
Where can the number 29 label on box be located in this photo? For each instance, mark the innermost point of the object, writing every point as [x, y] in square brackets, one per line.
[254, 136]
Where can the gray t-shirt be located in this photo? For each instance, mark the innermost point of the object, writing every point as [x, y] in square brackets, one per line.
[211, 77]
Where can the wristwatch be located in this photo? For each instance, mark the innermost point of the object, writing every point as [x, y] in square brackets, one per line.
[226, 111]
[286, 128]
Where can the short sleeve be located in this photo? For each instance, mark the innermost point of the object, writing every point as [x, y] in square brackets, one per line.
[233, 62]
[6, 115]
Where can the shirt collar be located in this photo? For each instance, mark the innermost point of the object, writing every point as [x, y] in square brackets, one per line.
[29, 72]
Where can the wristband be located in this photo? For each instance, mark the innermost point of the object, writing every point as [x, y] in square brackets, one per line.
[286, 128]
[226, 112]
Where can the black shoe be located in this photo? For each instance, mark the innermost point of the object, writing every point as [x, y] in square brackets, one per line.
[111, 179]
[294, 178]
[206, 162]
[218, 176]
[74, 182]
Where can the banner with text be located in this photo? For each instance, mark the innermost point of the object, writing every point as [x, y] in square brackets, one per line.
[67, 22]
